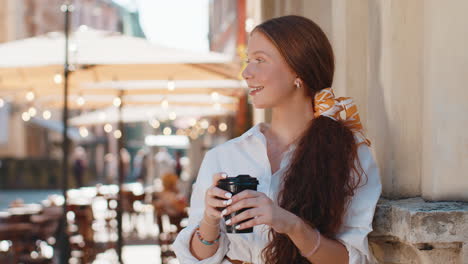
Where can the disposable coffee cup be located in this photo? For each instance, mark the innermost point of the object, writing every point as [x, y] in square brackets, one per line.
[236, 185]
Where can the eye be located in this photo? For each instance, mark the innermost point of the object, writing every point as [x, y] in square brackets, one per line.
[259, 60]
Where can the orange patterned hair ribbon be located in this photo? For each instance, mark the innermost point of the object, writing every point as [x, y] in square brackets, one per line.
[327, 105]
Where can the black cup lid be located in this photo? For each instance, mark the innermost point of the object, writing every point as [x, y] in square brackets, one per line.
[240, 179]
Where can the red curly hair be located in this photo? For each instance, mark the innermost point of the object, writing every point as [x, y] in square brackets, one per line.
[318, 182]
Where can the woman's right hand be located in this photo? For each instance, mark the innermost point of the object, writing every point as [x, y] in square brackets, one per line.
[216, 198]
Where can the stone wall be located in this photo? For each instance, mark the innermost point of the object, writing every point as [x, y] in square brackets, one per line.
[406, 65]
[445, 107]
[415, 231]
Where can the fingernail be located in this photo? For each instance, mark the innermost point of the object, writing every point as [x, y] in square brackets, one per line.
[228, 195]
[223, 212]
[228, 222]
[224, 175]
[229, 202]
[237, 226]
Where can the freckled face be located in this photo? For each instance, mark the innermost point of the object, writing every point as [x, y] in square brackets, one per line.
[270, 79]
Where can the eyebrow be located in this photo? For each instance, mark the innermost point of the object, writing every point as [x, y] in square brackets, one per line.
[258, 52]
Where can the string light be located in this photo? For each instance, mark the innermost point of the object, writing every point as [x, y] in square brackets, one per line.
[192, 121]
[167, 131]
[32, 111]
[204, 124]
[25, 116]
[170, 85]
[201, 131]
[154, 123]
[215, 96]
[80, 100]
[46, 114]
[84, 132]
[58, 78]
[193, 134]
[30, 96]
[165, 104]
[4, 245]
[2, 102]
[211, 129]
[222, 127]
[117, 134]
[67, 6]
[172, 116]
[117, 101]
[108, 128]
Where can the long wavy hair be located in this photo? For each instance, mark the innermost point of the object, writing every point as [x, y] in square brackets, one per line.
[318, 183]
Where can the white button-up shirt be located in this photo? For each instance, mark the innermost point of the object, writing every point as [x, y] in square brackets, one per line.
[247, 154]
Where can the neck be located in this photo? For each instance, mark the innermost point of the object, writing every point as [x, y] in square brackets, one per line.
[290, 120]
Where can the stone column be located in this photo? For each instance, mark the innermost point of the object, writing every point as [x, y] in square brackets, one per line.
[445, 109]
[406, 65]
[378, 56]
[3, 22]
[395, 93]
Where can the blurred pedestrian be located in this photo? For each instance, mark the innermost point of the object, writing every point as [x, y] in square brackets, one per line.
[125, 159]
[79, 166]
[164, 163]
[178, 164]
[111, 167]
[170, 201]
[140, 167]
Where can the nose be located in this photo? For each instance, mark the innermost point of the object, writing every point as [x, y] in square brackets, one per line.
[246, 73]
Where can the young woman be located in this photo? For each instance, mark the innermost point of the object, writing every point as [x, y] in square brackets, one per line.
[318, 182]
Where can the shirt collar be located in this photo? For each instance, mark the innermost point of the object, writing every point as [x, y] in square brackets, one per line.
[254, 131]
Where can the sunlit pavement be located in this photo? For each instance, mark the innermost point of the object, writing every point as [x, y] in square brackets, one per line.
[144, 254]
[134, 254]
[28, 196]
[140, 232]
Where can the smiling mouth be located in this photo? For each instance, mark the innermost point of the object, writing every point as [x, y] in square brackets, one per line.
[255, 90]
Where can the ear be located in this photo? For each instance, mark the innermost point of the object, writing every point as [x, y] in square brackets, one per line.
[298, 82]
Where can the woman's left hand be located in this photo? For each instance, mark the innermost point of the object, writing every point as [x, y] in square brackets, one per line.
[262, 210]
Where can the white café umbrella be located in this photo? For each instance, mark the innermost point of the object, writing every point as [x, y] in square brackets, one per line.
[137, 109]
[133, 114]
[36, 64]
[184, 92]
[95, 47]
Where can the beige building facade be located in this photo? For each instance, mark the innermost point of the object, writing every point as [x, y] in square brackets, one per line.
[21, 19]
[406, 65]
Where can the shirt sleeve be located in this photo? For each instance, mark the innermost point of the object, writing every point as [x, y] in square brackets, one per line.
[181, 245]
[360, 212]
